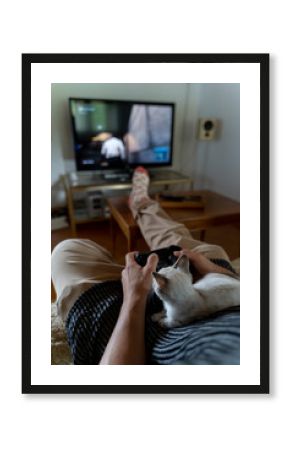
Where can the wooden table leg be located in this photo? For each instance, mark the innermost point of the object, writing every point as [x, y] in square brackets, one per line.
[202, 235]
[132, 242]
[113, 230]
[70, 205]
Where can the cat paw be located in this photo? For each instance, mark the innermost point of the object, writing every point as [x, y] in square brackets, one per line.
[157, 316]
[167, 323]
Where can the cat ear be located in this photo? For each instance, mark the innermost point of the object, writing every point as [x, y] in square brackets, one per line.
[160, 279]
[182, 263]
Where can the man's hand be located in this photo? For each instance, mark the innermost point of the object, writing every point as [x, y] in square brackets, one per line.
[202, 264]
[137, 280]
[127, 343]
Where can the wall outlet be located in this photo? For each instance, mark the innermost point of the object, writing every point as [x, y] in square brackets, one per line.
[207, 129]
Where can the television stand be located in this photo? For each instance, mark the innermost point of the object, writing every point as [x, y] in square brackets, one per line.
[117, 176]
[98, 187]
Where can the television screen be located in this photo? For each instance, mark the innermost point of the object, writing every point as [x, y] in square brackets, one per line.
[116, 134]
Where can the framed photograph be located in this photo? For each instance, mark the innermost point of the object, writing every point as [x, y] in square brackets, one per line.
[198, 125]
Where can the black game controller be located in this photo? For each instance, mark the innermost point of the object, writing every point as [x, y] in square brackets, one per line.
[166, 257]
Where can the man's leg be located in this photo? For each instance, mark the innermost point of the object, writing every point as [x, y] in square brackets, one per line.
[158, 228]
[76, 265]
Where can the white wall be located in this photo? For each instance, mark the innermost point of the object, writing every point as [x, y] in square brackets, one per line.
[217, 162]
[214, 165]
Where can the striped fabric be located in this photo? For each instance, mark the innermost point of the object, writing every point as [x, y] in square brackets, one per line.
[92, 319]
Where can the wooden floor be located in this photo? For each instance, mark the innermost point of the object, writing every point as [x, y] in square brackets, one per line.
[226, 236]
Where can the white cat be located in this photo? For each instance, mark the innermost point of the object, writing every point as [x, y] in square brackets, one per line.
[184, 301]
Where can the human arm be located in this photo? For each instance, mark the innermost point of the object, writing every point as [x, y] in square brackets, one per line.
[203, 265]
[127, 342]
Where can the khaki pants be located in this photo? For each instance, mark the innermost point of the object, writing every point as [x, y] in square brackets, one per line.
[77, 264]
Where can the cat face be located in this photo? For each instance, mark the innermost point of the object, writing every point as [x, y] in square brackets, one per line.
[172, 284]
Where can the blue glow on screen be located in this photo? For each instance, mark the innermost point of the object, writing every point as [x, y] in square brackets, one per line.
[161, 153]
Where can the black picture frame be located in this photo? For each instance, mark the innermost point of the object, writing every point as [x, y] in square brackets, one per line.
[263, 61]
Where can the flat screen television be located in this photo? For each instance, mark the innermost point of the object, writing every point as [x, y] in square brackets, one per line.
[115, 134]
